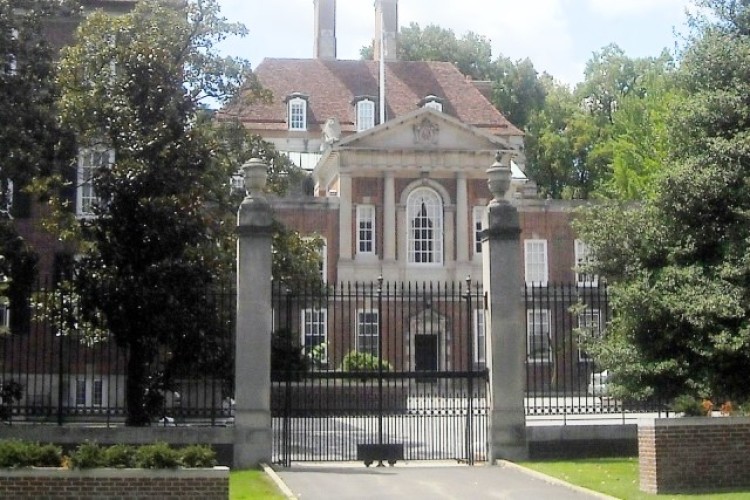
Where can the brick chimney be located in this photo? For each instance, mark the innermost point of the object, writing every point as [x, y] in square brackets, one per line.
[325, 29]
[386, 22]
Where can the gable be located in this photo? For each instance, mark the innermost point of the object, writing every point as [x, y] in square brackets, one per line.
[423, 130]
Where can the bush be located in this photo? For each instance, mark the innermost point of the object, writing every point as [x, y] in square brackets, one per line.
[197, 456]
[689, 406]
[14, 453]
[288, 360]
[120, 456]
[47, 455]
[157, 456]
[356, 361]
[88, 456]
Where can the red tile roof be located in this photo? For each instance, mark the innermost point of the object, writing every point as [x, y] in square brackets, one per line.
[332, 86]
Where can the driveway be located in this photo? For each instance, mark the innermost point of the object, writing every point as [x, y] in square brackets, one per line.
[424, 481]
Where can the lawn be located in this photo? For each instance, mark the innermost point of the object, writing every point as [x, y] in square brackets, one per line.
[252, 485]
[617, 477]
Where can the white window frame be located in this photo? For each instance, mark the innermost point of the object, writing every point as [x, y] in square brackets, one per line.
[536, 266]
[314, 326]
[85, 195]
[538, 335]
[476, 231]
[87, 392]
[365, 111]
[480, 337]
[583, 257]
[322, 254]
[297, 113]
[366, 229]
[589, 319]
[368, 328]
[80, 393]
[424, 211]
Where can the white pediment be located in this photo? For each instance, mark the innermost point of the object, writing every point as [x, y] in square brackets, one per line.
[423, 130]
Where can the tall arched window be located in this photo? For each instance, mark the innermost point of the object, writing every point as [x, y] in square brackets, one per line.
[425, 216]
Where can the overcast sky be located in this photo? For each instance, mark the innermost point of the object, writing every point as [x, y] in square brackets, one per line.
[558, 36]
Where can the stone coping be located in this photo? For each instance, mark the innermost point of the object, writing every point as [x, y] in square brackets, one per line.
[693, 421]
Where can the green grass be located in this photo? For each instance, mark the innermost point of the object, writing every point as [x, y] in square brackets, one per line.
[617, 477]
[252, 485]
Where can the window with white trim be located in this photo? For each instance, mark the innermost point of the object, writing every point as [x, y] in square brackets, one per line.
[477, 218]
[88, 392]
[90, 161]
[589, 320]
[81, 392]
[583, 257]
[315, 333]
[297, 110]
[480, 338]
[535, 262]
[368, 323]
[97, 396]
[538, 342]
[366, 229]
[365, 114]
[322, 255]
[425, 215]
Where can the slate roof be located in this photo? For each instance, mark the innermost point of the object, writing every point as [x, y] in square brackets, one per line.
[333, 85]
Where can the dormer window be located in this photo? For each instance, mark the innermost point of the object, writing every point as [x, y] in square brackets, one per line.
[432, 102]
[364, 108]
[297, 111]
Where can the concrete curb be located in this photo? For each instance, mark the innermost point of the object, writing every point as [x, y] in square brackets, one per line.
[278, 481]
[553, 480]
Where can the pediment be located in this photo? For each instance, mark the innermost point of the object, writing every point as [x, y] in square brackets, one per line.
[423, 130]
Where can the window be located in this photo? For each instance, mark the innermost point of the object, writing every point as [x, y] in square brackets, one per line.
[297, 113]
[89, 394]
[535, 252]
[322, 255]
[365, 114]
[477, 218]
[314, 334]
[98, 395]
[480, 338]
[425, 238]
[590, 321]
[367, 331]
[583, 257]
[4, 315]
[81, 392]
[366, 229]
[538, 346]
[11, 65]
[89, 161]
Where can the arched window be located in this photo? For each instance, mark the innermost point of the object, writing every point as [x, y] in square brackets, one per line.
[425, 216]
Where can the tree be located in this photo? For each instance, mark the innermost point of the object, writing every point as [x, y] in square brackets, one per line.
[518, 92]
[134, 84]
[678, 263]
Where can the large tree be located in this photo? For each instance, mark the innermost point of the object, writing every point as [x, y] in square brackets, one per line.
[134, 85]
[679, 264]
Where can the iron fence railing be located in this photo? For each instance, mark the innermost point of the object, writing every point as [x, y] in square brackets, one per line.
[58, 370]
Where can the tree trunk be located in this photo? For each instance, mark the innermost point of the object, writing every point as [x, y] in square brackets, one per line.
[135, 387]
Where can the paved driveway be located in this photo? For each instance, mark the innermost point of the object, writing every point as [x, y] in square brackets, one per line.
[426, 481]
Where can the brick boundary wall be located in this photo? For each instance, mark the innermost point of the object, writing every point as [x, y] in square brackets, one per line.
[694, 454]
[113, 484]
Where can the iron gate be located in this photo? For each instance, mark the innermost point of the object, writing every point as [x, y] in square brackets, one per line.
[379, 368]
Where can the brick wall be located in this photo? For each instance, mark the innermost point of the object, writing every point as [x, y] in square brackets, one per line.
[694, 454]
[111, 484]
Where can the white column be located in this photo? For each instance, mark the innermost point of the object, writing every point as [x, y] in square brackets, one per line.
[389, 218]
[463, 238]
[345, 218]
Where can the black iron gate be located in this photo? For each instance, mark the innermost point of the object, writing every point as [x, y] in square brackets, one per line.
[379, 371]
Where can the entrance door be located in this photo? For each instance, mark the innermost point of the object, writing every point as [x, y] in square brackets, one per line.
[426, 353]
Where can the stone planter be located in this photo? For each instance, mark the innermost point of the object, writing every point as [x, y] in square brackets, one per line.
[53, 483]
[694, 454]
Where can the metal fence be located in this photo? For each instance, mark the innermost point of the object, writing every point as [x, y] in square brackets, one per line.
[58, 370]
[562, 379]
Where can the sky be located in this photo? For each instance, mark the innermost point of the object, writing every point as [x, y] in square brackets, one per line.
[558, 36]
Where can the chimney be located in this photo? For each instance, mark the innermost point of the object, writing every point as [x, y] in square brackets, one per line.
[325, 29]
[386, 30]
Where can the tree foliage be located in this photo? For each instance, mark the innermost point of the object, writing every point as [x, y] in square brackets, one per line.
[680, 262]
[134, 84]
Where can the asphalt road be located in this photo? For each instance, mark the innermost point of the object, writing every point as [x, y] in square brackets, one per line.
[429, 481]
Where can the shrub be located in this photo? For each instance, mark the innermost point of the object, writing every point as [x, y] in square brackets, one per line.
[120, 456]
[47, 455]
[88, 456]
[356, 361]
[157, 456]
[288, 360]
[197, 456]
[689, 406]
